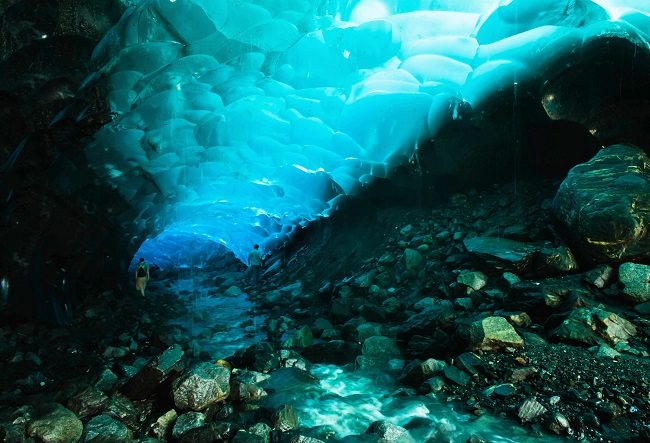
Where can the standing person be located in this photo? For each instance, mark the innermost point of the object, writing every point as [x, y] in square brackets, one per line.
[141, 275]
[255, 264]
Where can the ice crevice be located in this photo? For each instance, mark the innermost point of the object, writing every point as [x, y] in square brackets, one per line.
[238, 121]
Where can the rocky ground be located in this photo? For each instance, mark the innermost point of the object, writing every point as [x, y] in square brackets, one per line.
[474, 301]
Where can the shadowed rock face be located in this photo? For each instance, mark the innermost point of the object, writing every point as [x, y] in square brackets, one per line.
[604, 204]
[55, 223]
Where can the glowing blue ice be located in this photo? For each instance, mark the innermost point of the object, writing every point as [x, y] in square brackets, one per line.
[239, 120]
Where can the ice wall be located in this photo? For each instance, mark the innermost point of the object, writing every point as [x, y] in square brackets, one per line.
[239, 120]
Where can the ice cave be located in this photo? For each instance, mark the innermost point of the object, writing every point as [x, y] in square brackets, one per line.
[308, 221]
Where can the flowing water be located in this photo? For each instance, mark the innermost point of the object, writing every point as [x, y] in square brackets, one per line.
[342, 399]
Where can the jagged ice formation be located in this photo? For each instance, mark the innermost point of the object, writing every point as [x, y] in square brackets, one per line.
[238, 121]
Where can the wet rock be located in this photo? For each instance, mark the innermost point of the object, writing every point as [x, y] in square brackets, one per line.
[591, 325]
[55, 424]
[412, 259]
[336, 352]
[502, 253]
[373, 312]
[186, 423]
[285, 418]
[149, 378]
[555, 261]
[603, 204]
[643, 308]
[389, 433]
[331, 334]
[163, 425]
[379, 353]
[301, 338]
[541, 298]
[474, 280]
[424, 303]
[636, 281]
[106, 381]
[291, 359]
[530, 410]
[259, 433]
[233, 291]
[510, 278]
[605, 351]
[600, 276]
[493, 333]
[320, 325]
[261, 357]
[463, 303]
[440, 315]
[88, 402]
[105, 429]
[470, 362]
[202, 386]
[416, 372]
[367, 330]
[456, 375]
[122, 408]
[559, 424]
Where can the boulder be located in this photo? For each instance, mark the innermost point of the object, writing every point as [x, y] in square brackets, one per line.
[379, 353]
[259, 433]
[300, 338]
[636, 282]
[146, 381]
[592, 326]
[440, 315]
[105, 429]
[55, 424]
[416, 372]
[285, 418]
[492, 333]
[202, 386]
[88, 402]
[186, 423]
[412, 259]
[604, 204]
[389, 433]
[261, 357]
[543, 260]
[472, 279]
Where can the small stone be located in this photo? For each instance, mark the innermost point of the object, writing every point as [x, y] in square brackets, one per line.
[531, 409]
[233, 291]
[161, 428]
[412, 259]
[605, 351]
[388, 432]
[186, 422]
[464, 304]
[285, 418]
[559, 424]
[510, 278]
[472, 279]
[406, 230]
[456, 375]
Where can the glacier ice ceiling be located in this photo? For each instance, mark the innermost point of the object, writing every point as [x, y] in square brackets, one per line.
[238, 121]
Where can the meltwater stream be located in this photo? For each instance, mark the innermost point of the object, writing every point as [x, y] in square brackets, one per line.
[344, 400]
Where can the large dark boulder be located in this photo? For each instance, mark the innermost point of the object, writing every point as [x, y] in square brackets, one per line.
[604, 205]
[155, 373]
[440, 315]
